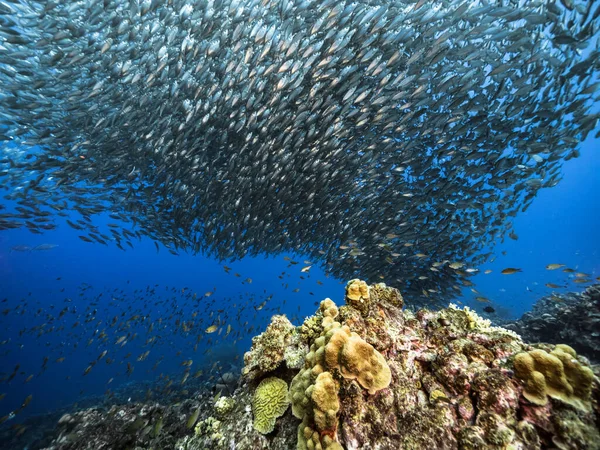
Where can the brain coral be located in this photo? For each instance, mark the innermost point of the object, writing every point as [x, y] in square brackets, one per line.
[557, 374]
[270, 401]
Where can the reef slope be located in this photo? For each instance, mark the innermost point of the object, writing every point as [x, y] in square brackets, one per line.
[370, 375]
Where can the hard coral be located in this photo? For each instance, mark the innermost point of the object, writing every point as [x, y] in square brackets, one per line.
[280, 342]
[313, 391]
[270, 401]
[324, 395]
[357, 295]
[557, 374]
[356, 359]
[224, 405]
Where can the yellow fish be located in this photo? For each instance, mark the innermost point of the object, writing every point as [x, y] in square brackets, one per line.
[211, 329]
[554, 266]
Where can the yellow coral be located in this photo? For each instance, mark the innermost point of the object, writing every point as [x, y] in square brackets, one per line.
[324, 394]
[314, 392]
[270, 401]
[557, 374]
[357, 289]
[310, 439]
[357, 359]
[357, 295]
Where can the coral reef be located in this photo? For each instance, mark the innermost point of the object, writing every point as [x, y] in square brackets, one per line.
[375, 376]
[571, 318]
[269, 402]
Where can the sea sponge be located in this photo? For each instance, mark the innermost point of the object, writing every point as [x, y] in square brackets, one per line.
[357, 359]
[557, 374]
[357, 295]
[270, 401]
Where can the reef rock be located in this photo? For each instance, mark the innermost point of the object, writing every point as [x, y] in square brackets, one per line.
[376, 377]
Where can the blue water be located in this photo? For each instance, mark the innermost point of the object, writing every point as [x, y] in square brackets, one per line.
[560, 227]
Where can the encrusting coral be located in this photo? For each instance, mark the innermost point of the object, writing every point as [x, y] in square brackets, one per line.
[270, 401]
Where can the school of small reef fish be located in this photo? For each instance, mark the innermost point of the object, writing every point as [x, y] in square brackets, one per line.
[386, 139]
[200, 330]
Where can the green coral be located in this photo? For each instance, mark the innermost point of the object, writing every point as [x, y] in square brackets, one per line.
[557, 374]
[270, 401]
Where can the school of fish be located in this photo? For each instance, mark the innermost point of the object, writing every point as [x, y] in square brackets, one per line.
[387, 139]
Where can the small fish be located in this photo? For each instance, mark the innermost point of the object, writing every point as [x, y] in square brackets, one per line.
[456, 265]
[553, 286]
[554, 266]
[157, 427]
[489, 310]
[510, 271]
[44, 247]
[305, 269]
[208, 294]
[482, 299]
[193, 418]
[20, 248]
[211, 329]
[488, 271]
